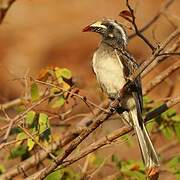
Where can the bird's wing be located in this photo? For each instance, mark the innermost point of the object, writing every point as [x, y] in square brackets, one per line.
[130, 66]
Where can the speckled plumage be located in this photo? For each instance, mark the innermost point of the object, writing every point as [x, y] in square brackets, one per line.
[113, 65]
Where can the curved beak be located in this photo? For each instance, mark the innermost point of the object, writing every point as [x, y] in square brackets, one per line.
[95, 27]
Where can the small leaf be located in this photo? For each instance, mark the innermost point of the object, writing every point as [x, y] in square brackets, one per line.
[54, 91]
[126, 15]
[177, 130]
[30, 117]
[30, 144]
[135, 175]
[57, 102]
[117, 161]
[65, 73]
[18, 151]
[43, 118]
[168, 132]
[176, 118]
[43, 122]
[147, 100]
[21, 136]
[2, 169]
[57, 175]
[174, 162]
[34, 92]
[171, 112]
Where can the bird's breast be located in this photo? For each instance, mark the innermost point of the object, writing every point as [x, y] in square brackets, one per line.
[109, 71]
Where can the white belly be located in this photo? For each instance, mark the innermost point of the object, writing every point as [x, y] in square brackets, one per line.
[109, 71]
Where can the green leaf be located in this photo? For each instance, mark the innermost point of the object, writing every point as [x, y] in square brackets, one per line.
[174, 162]
[30, 144]
[21, 136]
[2, 169]
[35, 92]
[168, 114]
[30, 117]
[63, 72]
[43, 122]
[20, 109]
[168, 132]
[98, 160]
[57, 175]
[150, 125]
[176, 118]
[135, 175]
[177, 130]
[54, 91]
[43, 118]
[177, 176]
[119, 178]
[57, 102]
[18, 151]
[171, 112]
[147, 100]
[117, 161]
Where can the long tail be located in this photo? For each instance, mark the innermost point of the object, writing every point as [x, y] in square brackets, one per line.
[148, 152]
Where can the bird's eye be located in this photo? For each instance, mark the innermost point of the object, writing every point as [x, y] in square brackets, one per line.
[111, 27]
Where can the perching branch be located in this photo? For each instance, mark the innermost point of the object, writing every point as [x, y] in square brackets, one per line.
[103, 141]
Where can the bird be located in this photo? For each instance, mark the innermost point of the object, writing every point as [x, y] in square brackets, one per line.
[113, 65]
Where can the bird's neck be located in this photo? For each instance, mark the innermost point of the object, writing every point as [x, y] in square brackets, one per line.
[113, 45]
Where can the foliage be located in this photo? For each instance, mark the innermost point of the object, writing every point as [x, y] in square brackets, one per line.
[64, 174]
[129, 169]
[167, 123]
[55, 87]
[174, 165]
[59, 82]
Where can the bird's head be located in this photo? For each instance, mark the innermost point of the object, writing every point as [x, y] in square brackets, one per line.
[112, 32]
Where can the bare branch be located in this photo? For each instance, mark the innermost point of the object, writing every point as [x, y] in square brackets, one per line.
[163, 8]
[100, 143]
[138, 33]
[157, 80]
[4, 7]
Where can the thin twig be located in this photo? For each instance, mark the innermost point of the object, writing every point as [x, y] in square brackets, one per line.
[138, 33]
[98, 144]
[104, 116]
[163, 8]
[4, 7]
[158, 79]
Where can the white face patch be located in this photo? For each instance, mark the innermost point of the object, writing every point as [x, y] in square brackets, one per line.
[98, 24]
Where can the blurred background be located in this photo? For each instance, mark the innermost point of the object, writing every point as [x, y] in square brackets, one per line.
[40, 33]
